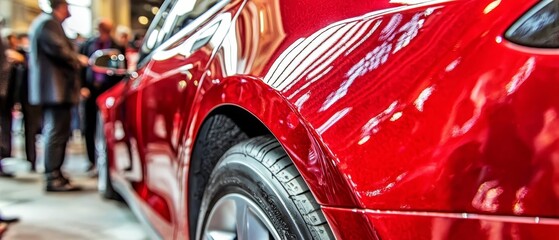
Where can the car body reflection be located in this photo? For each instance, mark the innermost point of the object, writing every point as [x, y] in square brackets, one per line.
[420, 115]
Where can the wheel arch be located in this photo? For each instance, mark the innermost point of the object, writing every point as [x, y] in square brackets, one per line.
[255, 109]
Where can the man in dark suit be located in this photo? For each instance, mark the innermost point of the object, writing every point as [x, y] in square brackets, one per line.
[96, 83]
[54, 84]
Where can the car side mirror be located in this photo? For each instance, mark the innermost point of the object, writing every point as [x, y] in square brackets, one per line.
[108, 61]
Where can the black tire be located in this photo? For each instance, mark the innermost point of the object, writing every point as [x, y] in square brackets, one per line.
[217, 135]
[104, 184]
[258, 170]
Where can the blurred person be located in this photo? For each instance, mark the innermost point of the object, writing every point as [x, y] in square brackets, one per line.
[123, 36]
[13, 41]
[54, 85]
[23, 42]
[132, 52]
[6, 104]
[31, 113]
[136, 43]
[95, 84]
[4, 143]
[12, 53]
[79, 40]
[16, 58]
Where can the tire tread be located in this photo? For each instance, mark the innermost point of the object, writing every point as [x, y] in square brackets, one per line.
[266, 148]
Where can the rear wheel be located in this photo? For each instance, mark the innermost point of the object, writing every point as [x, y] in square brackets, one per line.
[255, 192]
[104, 184]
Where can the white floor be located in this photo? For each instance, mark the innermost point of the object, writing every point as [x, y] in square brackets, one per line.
[80, 215]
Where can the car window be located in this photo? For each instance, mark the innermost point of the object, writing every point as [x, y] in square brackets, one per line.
[152, 39]
[187, 11]
[172, 17]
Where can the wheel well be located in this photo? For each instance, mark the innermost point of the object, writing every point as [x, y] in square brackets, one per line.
[223, 128]
[247, 122]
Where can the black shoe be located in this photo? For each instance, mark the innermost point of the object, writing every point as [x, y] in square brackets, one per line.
[61, 185]
[4, 219]
[5, 174]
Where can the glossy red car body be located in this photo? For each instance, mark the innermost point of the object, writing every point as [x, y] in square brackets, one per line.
[407, 119]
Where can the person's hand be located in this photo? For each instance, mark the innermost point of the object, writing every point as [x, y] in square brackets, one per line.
[14, 57]
[85, 92]
[84, 60]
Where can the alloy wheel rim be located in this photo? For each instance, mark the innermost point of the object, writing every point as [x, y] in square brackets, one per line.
[235, 216]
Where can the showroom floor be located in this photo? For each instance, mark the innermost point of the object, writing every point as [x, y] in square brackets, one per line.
[81, 215]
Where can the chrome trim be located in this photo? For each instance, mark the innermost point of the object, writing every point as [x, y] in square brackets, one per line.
[455, 215]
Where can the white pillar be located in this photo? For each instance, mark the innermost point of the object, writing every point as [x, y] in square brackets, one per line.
[122, 12]
[19, 13]
[116, 10]
[6, 10]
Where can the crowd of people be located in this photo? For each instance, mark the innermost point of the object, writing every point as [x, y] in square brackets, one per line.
[47, 75]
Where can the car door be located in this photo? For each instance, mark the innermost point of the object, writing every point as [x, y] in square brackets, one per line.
[190, 32]
[130, 161]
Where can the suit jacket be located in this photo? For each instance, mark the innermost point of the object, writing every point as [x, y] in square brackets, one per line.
[4, 71]
[88, 76]
[53, 64]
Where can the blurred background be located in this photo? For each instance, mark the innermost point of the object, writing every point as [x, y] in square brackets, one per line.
[80, 215]
[132, 14]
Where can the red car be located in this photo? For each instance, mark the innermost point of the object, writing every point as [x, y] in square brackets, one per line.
[340, 119]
